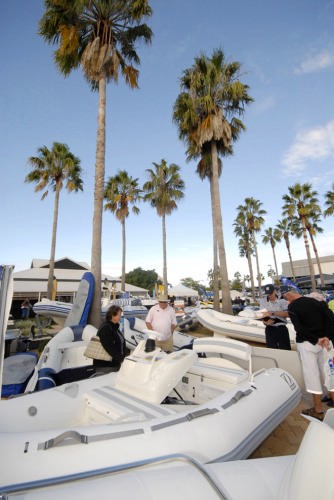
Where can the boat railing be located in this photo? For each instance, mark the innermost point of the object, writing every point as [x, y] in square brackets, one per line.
[10, 491]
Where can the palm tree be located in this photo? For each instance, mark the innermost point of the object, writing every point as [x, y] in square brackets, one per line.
[312, 228]
[329, 201]
[252, 215]
[203, 169]
[300, 203]
[245, 246]
[163, 189]
[100, 36]
[284, 227]
[207, 113]
[272, 236]
[54, 168]
[122, 191]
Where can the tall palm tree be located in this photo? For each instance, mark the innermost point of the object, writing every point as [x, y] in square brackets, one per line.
[313, 228]
[272, 236]
[54, 168]
[252, 213]
[207, 114]
[122, 191]
[329, 202]
[100, 36]
[204, 169]
[300, 203]
[163, 189]
[245, 246]
[284, 227]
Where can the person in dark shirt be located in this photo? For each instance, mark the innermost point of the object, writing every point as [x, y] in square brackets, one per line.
[112, 340]
[275, 316]
[313, 323]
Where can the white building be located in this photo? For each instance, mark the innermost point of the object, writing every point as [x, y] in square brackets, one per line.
[32, 283]
[301, 270]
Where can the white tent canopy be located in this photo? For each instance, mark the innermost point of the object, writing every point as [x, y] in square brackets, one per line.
[182, 291]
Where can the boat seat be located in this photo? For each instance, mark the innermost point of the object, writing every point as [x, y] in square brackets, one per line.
[231, 375]
[220, 350]
[111, 404]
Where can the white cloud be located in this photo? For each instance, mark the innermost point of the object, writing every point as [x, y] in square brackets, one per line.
[316, 62]
[313, 144]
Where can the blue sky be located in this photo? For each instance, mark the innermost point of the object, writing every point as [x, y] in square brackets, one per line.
[286, 50]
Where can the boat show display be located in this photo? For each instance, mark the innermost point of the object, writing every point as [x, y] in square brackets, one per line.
[238, 327]
[202, 402]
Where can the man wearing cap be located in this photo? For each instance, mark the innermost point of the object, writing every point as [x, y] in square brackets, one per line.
[162, 319]
[274, 317]
[313, 324]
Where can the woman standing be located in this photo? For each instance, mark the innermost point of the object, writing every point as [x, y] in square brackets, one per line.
[112, 340]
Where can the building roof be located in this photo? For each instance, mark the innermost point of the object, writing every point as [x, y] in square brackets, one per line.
[68, 274]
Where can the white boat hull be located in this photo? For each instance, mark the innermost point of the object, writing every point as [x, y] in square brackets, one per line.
[238, 327]
[100, 422]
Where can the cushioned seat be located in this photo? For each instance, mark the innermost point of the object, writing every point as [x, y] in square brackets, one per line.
[224, 374]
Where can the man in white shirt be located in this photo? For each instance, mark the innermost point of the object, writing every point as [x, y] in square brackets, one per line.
[162, 319]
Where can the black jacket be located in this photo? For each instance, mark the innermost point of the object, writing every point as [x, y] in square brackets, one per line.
[311, 319]
[113, 342]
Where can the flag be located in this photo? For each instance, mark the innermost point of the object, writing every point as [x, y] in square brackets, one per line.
[287, 281]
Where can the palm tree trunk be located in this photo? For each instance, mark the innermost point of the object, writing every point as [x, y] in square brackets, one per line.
[287, 243]
[226, 296]
[216, 275]
[53, 243]
[257, 265]
[308, 253]
[95, 313]
[164, 251]
[251, 273]
[322, 281]
[216, 304]
[123, 254]
[275, 262]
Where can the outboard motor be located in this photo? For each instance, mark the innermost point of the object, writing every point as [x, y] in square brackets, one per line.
[150, 345]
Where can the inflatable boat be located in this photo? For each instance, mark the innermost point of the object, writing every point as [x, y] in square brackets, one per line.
[201, 402]
[238, 327]
[302, 476]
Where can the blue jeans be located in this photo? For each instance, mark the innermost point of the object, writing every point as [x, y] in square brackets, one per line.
[24, 313]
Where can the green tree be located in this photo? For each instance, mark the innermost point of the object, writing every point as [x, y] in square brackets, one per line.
[285, 229]
[272, 236]
[313, 228]
[300, 203]
[252, 215]
[143, 279]
[163, 189]
[236, 283]
[245, 246]
[207, 113]
[191, 283]
[122, 191]
[329, 202]
[54, 168]
[100, 36]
